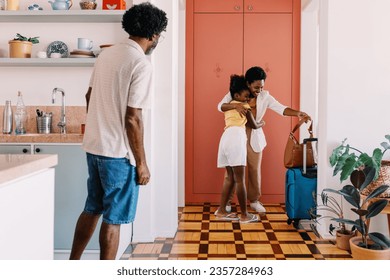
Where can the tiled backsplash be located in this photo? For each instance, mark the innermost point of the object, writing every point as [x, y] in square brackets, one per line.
[75, 116]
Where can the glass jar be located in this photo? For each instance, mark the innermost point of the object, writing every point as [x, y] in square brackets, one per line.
[2, 5]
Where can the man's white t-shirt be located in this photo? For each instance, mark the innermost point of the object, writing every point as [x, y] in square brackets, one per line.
[122, 77]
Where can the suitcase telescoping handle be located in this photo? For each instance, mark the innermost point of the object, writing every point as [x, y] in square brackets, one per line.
[304, 151]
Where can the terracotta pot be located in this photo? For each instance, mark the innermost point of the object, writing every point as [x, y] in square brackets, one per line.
[359, 253]
[20, 49]
[342, 240]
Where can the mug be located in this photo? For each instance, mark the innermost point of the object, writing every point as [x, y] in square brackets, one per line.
[84, 44]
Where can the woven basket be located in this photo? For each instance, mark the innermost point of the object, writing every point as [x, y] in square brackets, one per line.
[383, 179]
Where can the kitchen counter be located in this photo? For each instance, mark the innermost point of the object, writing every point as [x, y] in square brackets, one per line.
[42, 138]
[27, 206]
[14, 166]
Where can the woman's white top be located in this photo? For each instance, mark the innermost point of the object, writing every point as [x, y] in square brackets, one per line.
[264, 101]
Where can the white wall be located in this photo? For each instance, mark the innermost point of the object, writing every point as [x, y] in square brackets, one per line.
[354, 70]
[164, 137]
[309, 63]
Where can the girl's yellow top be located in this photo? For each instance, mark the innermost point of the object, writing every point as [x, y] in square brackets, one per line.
[233, 118]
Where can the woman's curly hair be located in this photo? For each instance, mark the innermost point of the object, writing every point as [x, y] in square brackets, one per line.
[144, 20]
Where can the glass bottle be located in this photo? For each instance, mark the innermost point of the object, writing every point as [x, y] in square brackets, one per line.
[3, 5]
[20, 116]
[7, 118]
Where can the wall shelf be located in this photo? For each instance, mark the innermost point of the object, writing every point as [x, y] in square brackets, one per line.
[62, 16]
[47, 62]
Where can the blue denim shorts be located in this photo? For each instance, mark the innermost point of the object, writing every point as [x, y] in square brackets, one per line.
[112, 189]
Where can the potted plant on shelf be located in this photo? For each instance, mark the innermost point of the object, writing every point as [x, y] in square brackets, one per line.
[21, 46]
[362, 170]
[332, 209]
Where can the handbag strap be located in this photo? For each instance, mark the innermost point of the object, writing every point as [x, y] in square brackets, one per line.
[310, 129]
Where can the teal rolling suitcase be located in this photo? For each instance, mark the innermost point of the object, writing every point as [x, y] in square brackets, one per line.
[301, 185]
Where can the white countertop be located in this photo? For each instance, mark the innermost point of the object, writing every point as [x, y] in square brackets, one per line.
[14, 166]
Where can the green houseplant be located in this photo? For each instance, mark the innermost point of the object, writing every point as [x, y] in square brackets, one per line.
[332, 209]
[345, 160]
[362, 170]
[21, 46]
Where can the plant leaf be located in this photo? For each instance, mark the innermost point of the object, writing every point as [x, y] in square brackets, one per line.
[351, 194]
[365, 159]
[331, 190]
[355, 224]
[350, 165]
[314, 229]
[334, 157]
[377, 192]
[377, 156]
[357, 178]
[360, 212]
[339, 164]
[385, 145]
[380, 239]
[375, 208]
[370, 173]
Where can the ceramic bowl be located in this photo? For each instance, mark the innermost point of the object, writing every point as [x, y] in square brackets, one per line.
[88, 5]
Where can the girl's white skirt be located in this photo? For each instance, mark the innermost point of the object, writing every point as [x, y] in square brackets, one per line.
[232, 147]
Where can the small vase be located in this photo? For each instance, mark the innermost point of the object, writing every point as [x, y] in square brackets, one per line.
[20, 49]
[342, 240]
[13, 5]
[360, 253]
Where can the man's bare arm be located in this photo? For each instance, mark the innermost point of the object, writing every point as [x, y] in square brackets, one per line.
[135, 134]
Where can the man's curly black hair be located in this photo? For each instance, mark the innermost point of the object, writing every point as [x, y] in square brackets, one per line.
[144, 20]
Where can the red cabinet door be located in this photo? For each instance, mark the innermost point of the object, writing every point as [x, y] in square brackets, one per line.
[221, 44]
[218, 6]
[268, 44]
[268, 6]
[217, 54]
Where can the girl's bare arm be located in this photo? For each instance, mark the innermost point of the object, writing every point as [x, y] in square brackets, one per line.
[252, 123]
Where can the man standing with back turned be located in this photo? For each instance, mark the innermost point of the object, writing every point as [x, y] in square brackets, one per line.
[119, 89]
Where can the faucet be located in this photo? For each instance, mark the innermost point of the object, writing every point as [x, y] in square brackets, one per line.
[62, 123]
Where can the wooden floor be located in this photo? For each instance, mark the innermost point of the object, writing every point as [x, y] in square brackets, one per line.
[201, 237]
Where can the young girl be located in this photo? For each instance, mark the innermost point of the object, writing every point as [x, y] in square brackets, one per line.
[232, 152]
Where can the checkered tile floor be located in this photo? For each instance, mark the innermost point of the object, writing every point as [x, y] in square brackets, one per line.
[201, 237]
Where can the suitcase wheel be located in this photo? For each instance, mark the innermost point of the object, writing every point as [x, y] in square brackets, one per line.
[295, 222]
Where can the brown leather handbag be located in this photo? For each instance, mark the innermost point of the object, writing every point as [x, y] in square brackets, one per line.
[293, 153]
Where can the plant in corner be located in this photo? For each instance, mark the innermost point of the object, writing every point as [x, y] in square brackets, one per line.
[361, 169]
[20, 46]
[332, 209]
[344, 159]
